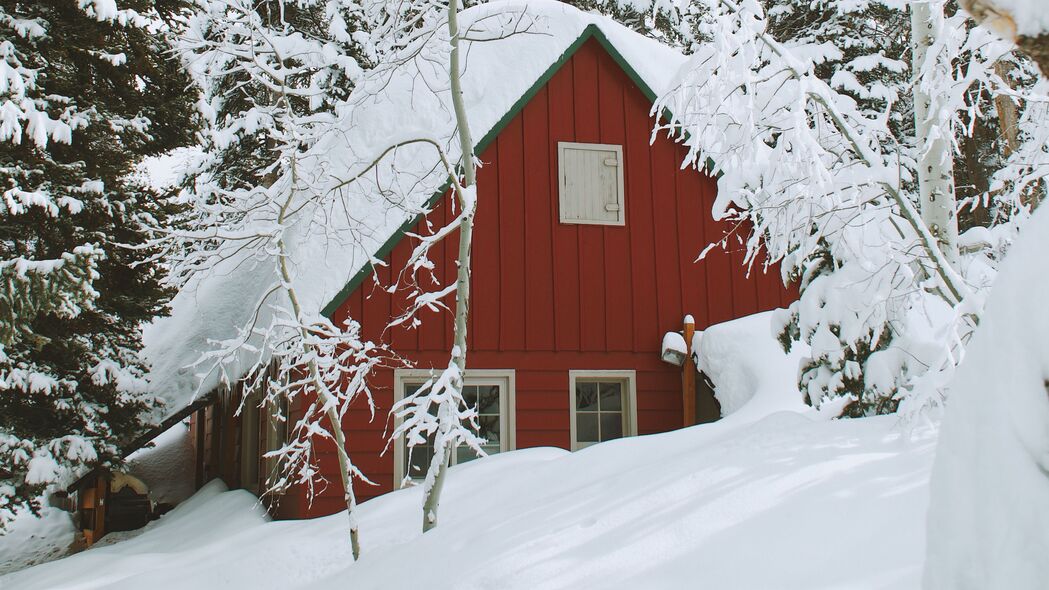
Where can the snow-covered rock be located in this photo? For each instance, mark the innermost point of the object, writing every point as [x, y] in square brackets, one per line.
[989, 513]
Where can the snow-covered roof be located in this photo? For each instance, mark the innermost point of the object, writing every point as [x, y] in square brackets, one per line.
[331, 245]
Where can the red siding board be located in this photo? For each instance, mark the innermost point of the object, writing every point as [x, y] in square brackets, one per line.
[565, 241]
[538, 201]
[665, 214]
[547, 297]
[486, 255]
[618, 305]
[511, 231]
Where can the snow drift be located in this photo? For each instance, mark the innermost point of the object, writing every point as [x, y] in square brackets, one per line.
[784, 502]
[764, 498]
[989, 517]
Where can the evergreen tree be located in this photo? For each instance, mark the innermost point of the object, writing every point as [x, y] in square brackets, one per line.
[87, 91]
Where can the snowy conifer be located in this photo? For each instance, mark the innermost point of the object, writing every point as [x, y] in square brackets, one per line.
[86, 91]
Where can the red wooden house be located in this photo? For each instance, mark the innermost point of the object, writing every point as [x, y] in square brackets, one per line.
[585, 255]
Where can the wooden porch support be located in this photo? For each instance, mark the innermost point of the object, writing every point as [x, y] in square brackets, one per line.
[688, 375]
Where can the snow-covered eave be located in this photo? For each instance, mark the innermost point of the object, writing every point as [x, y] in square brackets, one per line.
[142, 440]
[591, 31]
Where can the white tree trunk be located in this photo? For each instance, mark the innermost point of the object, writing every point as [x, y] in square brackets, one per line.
[466, 193]
[821, 93]
[937, 200]
[320, 388]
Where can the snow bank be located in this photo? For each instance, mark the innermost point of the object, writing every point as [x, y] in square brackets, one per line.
[329, 244]
[746, 363]
[784, 502]
[989, 518]
[31, 540]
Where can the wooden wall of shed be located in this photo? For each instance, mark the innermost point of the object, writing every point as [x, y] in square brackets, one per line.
[549, 297]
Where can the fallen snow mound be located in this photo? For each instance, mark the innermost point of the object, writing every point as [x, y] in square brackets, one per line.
[745, 362]
[989, 517]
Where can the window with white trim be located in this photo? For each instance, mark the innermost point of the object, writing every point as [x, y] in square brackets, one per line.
[603, 406]
[490, 391]
[590, 183]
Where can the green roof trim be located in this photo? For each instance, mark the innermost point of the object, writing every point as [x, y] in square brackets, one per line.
[592, 31]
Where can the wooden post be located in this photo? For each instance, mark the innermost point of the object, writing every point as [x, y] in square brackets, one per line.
[199, 422]
[688, 375]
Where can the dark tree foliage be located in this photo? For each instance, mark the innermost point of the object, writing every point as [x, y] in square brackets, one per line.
[71, 389]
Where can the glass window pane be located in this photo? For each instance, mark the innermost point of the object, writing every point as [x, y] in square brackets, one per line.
[586, 396]
[586, 427]
[611, 426]
[418, 462]
[464, 454]
[470, 395]
[411, 388]
[489, 429]
[491, 449]
[611, 397]
[488, 399]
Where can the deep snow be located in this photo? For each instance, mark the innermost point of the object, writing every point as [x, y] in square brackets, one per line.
[989, 518]
[772, 496]
[786, 502]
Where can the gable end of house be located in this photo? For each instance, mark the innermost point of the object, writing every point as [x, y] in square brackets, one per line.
[592, 31]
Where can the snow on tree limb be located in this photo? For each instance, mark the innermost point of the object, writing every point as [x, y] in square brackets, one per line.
[827, 187]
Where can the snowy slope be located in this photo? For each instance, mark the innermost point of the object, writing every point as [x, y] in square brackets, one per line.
[769, 497]
[782, 503]
[331, 241]
[989, 518]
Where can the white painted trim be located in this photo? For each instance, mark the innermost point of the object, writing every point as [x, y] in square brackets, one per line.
[505, 378]
[562, 180]
[629, 377]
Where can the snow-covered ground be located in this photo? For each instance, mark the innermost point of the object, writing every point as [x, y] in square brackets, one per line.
[31, 540]
[772, 496]
[786, 501]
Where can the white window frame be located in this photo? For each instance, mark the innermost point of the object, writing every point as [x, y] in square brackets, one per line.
[562, 181]
[627, 377]
[506, 378]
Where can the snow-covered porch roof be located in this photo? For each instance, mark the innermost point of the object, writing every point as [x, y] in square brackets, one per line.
[500, 77]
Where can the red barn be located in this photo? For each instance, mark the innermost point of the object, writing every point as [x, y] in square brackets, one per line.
[585, 255]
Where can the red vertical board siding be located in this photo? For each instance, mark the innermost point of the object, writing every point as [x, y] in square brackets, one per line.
[538, 200]
[639, 218]
[401, 338]
[689, 193]
[511, 230]
[486, 254]
[618, 319]
[591, 254]
[717, 265]
[548, 297]
[565, 241]
[668, 256]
